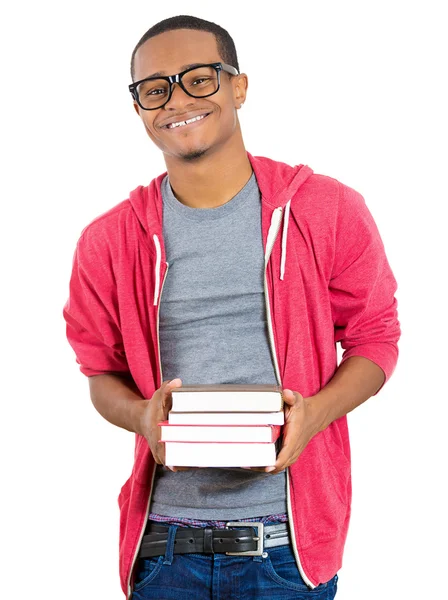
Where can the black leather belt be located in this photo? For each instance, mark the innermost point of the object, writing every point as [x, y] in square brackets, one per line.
[245, 538]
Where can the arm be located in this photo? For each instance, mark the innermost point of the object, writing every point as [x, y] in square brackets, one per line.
[355, 380]
[361, 290]
[119, 401]
[93, 330]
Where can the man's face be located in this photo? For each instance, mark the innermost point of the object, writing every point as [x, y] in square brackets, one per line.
[168, 53]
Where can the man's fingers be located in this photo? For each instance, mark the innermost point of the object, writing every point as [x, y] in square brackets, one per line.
[283, 459]
[162, 407]
[286, 457]
[159, 453]
[166, 388]
[287, 451]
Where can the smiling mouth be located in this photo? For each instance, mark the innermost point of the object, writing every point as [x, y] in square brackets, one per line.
[182, 124]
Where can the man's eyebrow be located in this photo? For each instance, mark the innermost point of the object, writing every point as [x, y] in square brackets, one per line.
[183, 68]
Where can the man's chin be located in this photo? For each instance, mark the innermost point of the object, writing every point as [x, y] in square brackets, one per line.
[190, 153]
[193, 154]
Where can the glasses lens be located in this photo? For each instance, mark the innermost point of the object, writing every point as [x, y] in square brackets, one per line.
[201, 81]
[153, 93]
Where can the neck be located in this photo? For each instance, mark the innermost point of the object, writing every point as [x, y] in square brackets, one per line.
[211, 180]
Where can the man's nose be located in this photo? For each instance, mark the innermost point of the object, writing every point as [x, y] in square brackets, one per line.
[178, 97]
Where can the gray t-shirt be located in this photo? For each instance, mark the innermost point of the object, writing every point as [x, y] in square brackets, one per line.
[213, 329]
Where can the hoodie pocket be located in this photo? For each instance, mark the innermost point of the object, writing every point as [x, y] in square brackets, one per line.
[339, 462]
[123, 505]
[320, 494]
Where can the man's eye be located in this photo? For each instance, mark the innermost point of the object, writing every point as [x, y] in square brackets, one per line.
[200, 79]
[155, 92]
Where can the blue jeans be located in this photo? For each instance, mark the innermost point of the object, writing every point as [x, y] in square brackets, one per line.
[222, 577]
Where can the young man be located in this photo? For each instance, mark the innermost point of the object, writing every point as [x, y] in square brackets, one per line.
[229, 268]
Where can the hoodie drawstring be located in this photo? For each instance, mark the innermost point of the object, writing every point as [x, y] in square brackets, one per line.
[276, 220]
[157, 268]
[284, 238]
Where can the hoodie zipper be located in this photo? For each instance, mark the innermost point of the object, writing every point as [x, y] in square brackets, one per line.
[155, 467]
[272, 236]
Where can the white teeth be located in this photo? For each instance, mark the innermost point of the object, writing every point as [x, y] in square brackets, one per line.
[182, 123]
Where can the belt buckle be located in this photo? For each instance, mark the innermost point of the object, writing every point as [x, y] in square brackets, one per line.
[259, 539]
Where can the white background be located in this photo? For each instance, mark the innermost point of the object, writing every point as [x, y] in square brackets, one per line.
[363, 100]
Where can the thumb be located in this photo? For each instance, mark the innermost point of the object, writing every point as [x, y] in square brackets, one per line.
[167, 389]
[174, 383]
[289, 397]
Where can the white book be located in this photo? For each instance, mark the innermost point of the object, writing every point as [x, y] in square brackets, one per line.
[218, 433]
[227, 398]
[201, 454]
[238, 418]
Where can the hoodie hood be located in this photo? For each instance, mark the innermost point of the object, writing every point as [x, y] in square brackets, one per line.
[277, 181]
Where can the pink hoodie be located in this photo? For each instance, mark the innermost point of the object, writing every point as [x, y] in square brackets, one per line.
[327, 280]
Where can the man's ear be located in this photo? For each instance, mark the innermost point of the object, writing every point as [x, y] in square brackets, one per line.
[137, 108]
[241, 83]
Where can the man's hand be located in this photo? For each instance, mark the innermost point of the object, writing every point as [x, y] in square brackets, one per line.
[302, 422]
[156, 411]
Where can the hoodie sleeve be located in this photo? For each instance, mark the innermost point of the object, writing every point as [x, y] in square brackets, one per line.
[362, 287]
[91, 311]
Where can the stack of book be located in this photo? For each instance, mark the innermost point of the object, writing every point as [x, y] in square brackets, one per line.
[226, 425]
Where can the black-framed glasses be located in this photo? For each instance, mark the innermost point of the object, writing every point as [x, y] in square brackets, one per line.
[198, 82]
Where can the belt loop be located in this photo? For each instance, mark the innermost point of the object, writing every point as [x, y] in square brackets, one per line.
[208, 540]
[170, 545]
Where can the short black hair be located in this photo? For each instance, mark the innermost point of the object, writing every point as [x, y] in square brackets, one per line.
[226, 46]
